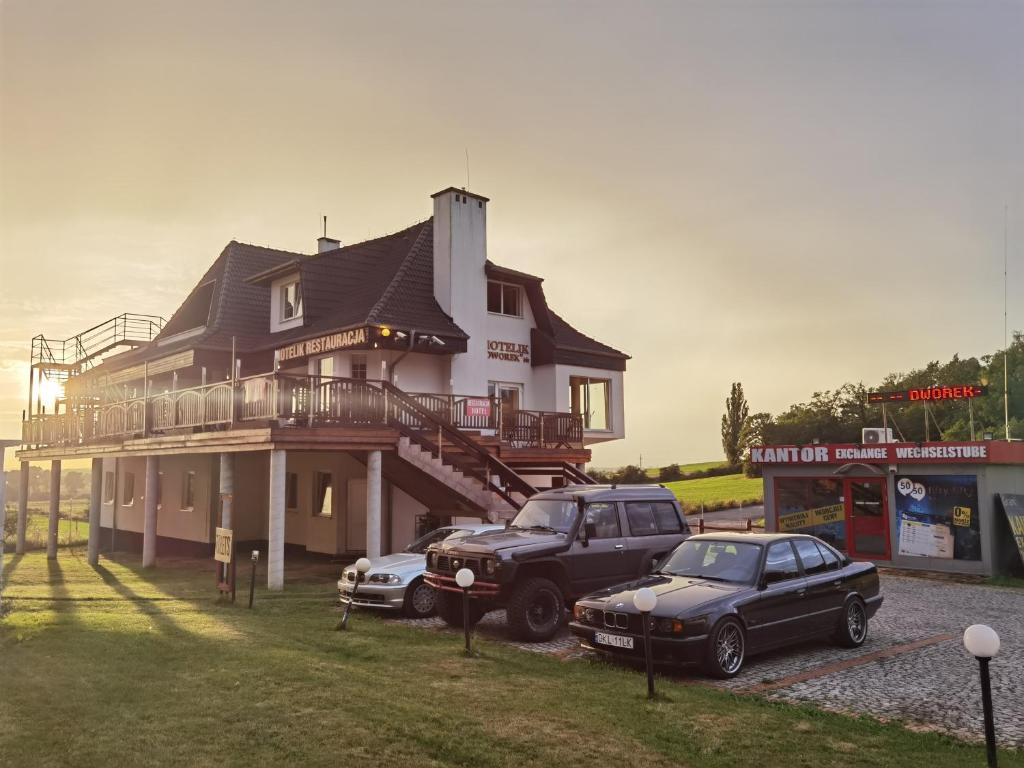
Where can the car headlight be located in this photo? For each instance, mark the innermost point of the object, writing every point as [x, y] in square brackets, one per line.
[431, 559]
[385, 578]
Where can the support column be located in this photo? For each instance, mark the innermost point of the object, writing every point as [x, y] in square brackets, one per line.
[373, 503]
[227, 488]
[149, 512]
[22, 507]
[275, 528]
[95, 497]
[51, 538]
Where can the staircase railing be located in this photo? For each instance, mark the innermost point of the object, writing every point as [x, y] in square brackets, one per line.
[402, 408]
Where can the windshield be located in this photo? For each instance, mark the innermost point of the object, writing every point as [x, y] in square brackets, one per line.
[547, 514]
[715, 560]
[441, 534]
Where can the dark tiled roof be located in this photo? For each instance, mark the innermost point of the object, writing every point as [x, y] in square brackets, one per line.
[385, 281]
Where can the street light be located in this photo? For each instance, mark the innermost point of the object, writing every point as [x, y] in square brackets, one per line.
[982, 642]
[362, 566]
[465, 578]
[645, 600]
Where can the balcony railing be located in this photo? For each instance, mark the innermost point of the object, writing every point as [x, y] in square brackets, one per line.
[293, 400]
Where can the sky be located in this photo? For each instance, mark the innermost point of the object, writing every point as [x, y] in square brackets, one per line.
[787, 194]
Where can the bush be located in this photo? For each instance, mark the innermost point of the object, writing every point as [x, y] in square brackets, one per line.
[670, 473]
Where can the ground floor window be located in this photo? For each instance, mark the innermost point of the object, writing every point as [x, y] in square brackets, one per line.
[128, 493]
[937, 516]
[323, 494]
[358, 366]
[188, 490]
[108, 487]
[813, 506]
[591, 398]
[291, 491]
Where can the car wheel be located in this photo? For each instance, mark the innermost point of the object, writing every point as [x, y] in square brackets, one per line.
[853, 624]
[535, 610]
[449, 608]
[726, 649]
[420, 600]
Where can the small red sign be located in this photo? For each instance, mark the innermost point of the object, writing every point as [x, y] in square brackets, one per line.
[478, 406]
[926, 394]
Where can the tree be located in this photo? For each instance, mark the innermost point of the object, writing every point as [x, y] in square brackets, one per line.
[74, 484]
[756, 431]
[735, 417]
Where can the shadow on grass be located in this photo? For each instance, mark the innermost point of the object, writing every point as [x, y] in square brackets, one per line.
[144, 605]
[10, 566]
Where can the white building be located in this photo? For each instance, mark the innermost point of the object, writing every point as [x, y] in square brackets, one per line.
[339, 402]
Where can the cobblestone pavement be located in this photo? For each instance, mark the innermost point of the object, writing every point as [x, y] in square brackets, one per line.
[935, 685]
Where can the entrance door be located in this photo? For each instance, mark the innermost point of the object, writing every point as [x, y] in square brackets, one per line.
[511, 396]
[867, 514]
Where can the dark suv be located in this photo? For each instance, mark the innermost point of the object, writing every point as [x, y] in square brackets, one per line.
[564, 543]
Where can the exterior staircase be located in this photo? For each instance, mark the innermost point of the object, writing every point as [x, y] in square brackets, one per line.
[470, 489]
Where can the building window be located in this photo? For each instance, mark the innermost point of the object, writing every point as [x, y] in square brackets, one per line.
[323, 494]
[291, 300]
[108, 487]
[188, 491]
[504, 299]
[358, 366]
[128, 493]
[291, 491]
[591, 399]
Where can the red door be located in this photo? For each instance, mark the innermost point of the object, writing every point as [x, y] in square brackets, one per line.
[867, 516]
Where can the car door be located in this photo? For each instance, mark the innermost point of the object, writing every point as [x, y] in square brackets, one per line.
[654, 528]
[604, 560]
[824, 597]
[778, 615]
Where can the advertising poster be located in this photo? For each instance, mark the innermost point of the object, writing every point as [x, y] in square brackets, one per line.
[1013, 508]
[937, 516]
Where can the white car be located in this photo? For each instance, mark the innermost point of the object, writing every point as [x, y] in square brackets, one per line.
[395, 582]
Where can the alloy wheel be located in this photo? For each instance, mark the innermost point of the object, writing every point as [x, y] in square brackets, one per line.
[423, 599]
[856, 622]
[729, 648]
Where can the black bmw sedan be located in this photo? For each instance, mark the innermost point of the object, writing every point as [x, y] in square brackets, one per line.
[724, 597]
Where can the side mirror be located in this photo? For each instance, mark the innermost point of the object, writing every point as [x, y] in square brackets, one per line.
[508, 524]
[587, 530]
[762, 582]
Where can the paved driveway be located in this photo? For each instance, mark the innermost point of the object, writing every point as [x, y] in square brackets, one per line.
[913, 666]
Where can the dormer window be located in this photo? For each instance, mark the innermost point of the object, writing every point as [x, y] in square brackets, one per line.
[291, 300]
[504, 298]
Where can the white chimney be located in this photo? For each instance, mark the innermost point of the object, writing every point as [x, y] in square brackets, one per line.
[327, 244]
[460, 280]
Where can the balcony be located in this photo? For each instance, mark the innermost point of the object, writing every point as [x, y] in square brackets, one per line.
[288, 400]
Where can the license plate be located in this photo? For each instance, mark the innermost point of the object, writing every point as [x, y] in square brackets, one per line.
[617, 641]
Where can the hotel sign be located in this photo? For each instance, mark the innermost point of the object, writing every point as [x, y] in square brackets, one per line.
[888, 453]
[324, 344]
[510, 351]
[222, 550]
[929, 394]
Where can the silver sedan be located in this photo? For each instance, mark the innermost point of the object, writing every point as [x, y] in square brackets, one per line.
[395, 582]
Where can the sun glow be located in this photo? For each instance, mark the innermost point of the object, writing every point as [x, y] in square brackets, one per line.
[50, 391]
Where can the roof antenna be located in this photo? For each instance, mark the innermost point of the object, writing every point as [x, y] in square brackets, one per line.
[467, 169]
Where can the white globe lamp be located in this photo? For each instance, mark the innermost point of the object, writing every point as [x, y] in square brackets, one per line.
[981, 641]
[362, 565]
[645, 600]
[464, 578]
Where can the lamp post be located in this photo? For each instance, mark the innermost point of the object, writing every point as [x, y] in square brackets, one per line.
[982, 642]
[362, 566]
[252, 578]
[465, 578]
[645, 600]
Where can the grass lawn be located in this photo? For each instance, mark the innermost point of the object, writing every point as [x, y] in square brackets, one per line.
[114, 665]
[699, 466]
[74, 531]
[708, 490]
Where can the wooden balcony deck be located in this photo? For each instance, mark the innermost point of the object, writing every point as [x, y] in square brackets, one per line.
[263, 406]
